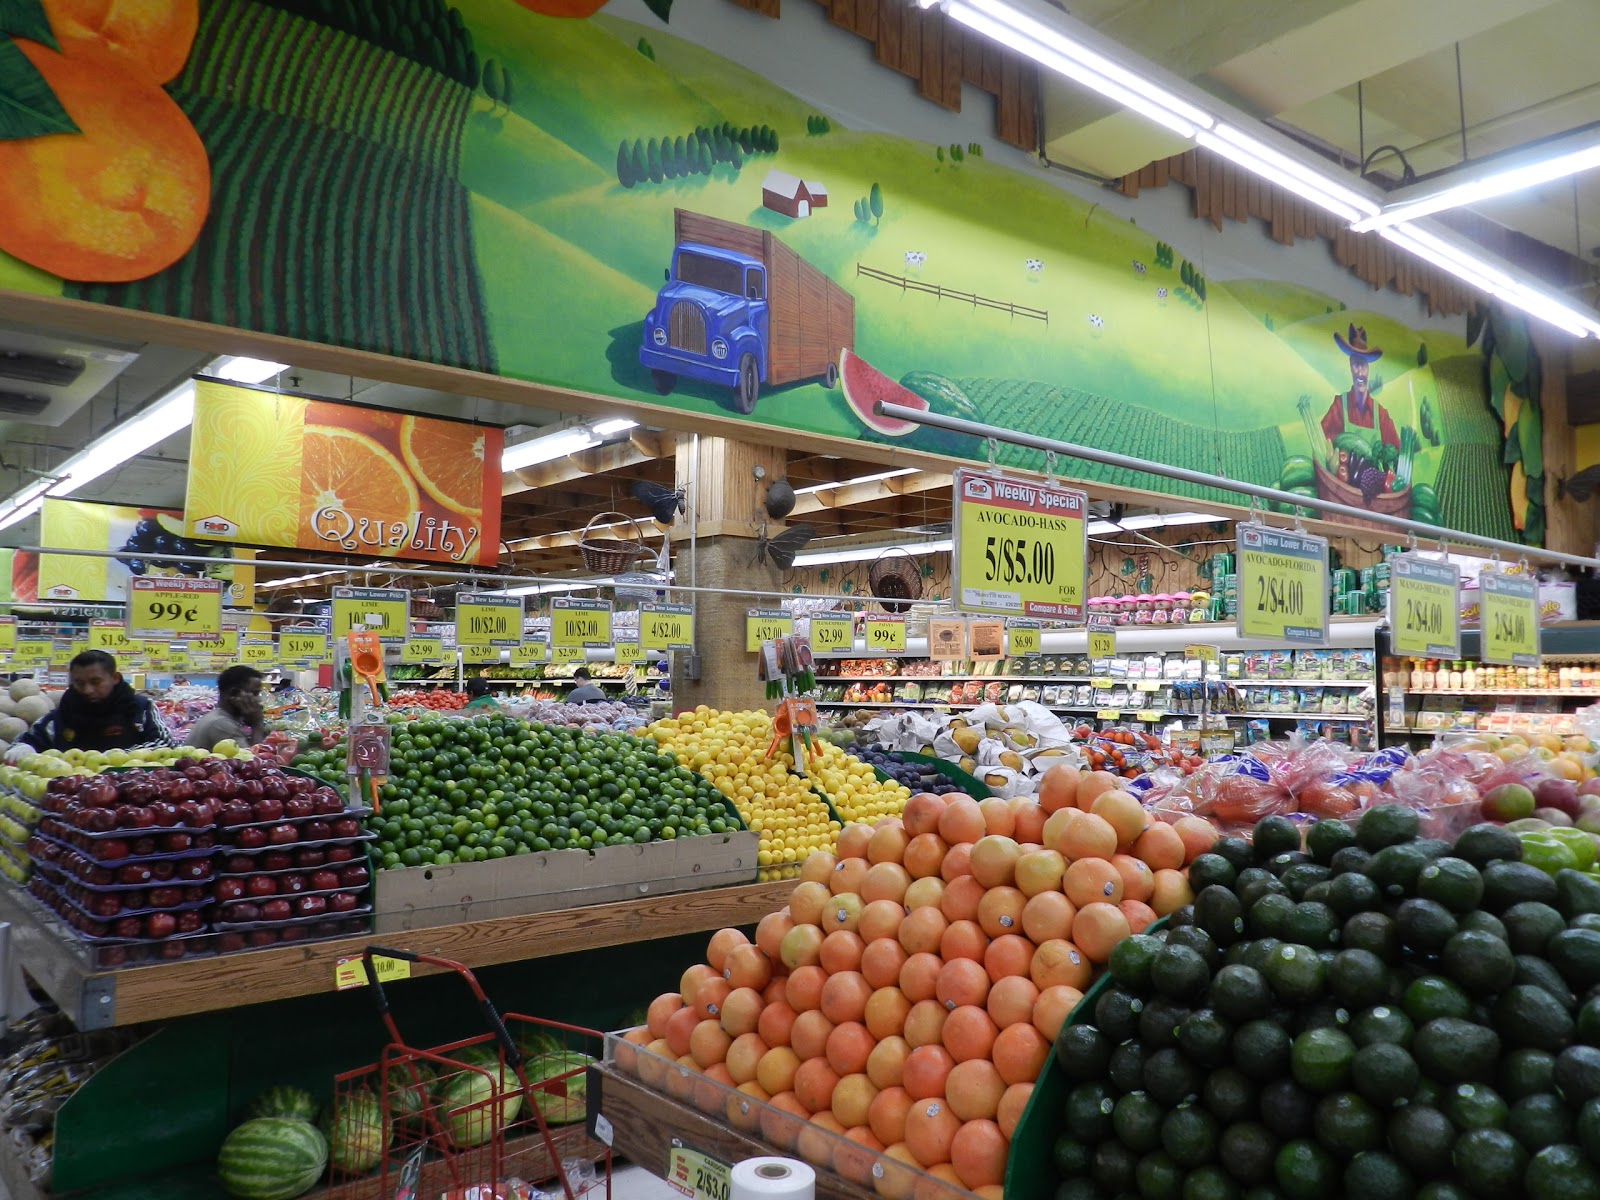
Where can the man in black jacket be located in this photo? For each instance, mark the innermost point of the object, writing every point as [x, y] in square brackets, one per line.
[97, 712]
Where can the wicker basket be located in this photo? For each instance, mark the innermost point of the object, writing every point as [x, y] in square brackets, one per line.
[895, 580]
[608, 556]
[1393, 504]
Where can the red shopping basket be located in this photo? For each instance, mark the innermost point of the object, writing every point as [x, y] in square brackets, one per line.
[462, 1121]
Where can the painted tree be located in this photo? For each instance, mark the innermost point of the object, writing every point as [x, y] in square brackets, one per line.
[680, 157]
[640, 164]
[875, 202]
[625, 174]
[491, 80]
[653, 156]
[508, 93]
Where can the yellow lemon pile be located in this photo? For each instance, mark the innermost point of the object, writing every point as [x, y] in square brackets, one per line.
[730, 749]
[854, 787]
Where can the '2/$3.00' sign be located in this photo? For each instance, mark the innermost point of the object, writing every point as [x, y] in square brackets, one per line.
[282, 470]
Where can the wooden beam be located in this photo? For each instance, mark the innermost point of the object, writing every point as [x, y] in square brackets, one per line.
[642, 447]
[867, 493]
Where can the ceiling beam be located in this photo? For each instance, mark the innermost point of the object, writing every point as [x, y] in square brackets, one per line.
[868, 493]
[643, 447]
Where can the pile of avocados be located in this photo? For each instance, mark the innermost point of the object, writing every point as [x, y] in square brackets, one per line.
[1376, 1015]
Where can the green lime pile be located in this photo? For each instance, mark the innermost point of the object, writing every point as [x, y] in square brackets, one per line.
[1370, 1014]
[466, 789]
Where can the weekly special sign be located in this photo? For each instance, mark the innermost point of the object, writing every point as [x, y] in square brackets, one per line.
[276, 470]
[1019, 547]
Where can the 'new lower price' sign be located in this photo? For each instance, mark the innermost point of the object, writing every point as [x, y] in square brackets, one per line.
[1510, 618]
[666, 627]
[764, 624]
[1019, 547]
[580, 623]
[484, 620]
[384, 611]
[832, 635]
[1024, 639]
[1424, 607]
[1283, 586]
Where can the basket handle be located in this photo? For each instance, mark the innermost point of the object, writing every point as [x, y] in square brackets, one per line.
[638, 533]
[491, 1014]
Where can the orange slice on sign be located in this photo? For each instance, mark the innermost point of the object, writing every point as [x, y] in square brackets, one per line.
[447, 461]
[346, 479]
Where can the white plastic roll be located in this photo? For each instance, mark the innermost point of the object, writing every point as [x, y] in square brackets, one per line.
[772, 1179]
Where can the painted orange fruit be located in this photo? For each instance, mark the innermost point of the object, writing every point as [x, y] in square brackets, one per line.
[120, 200]
[354, 492]
[447, 461]
[147, 38]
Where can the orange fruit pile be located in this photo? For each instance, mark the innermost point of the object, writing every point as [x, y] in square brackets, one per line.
[127, 194]
[908, 995]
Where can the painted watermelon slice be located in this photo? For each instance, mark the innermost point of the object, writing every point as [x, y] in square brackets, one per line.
[865, 386]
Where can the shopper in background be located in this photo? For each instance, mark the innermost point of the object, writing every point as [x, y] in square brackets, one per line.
[237, 716]
[98, 711]
[586, 692]
[478, 695]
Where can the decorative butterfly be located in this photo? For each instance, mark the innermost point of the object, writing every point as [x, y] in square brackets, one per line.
[1581, 486]
[780, 549]
[664, 503]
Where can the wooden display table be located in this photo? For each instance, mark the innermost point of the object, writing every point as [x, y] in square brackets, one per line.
[101, 999]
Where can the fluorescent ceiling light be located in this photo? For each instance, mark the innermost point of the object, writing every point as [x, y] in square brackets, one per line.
[561, 443]
[881, 475]
[26, 502]
[1473, 183]
[867, 553]
[294, 579]
[1066, 56]
[1289, 173]
[541, 589]
[246, 370]
[1162, 520]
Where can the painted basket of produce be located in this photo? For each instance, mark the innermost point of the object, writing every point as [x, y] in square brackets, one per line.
[1330, 487]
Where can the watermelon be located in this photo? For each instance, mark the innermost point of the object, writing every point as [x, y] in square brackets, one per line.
[283, 1102]
[272, 1158]
[865, 386]
[408, 1092]
[944, 397]
[564, 1101]
[1297, 471]
[469, 1114]
[357, 1129]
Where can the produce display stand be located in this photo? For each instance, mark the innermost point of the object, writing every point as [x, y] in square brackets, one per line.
[101, 999]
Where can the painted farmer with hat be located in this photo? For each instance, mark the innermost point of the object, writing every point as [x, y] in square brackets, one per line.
[1356, 411]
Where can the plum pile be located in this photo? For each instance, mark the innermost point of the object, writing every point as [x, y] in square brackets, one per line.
[917, 776]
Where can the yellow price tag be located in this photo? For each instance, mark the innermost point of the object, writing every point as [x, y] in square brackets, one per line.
[1148, 714]
[32, 650]
[226, 644]
[764, 624]
[384, 611]
[1108, 714]
[61, 655]
[480, 654]
[1203, 653]
[1102, 644]
[1424, 607]
[1510, 620]
[304, 647]
[567, 654]
[581, 623]
[422, 650]
[174, 609]
[1283, 586]
[112, 637]
[8, 634]
[350, 972]
[666, 626]
[832, 635]
[529, 653]
[483, 620]
[885, 635]
[630, 652]
[1024, 641]
[257, 652]
[1020, 546]
[1148, 685]
[1102, 681]
[179, 660]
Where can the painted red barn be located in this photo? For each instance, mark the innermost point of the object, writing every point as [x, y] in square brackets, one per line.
[790, 195]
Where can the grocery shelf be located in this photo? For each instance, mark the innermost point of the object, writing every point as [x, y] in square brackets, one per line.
[100, 999]
[1303, 716]
[1595, 692]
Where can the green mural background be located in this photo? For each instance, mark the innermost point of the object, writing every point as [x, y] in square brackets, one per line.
[476, 184]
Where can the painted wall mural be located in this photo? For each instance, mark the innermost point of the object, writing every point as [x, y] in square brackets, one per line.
[519, 186]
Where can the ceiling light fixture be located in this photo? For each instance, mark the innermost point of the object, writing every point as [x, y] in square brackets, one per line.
[1069, 47]
[238, 369]
[1501, 175]
[844, 483]
[294, 579]
[562, 443]
[867, 553]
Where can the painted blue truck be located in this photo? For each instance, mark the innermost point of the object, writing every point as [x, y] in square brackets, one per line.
[741, 309]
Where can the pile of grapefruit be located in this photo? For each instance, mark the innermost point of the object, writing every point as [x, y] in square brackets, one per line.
[908, 995]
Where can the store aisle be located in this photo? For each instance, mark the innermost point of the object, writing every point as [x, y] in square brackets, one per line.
[628, 1182]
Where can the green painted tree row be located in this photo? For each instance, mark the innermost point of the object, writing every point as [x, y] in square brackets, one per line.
[656, 159]
[428, 32]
